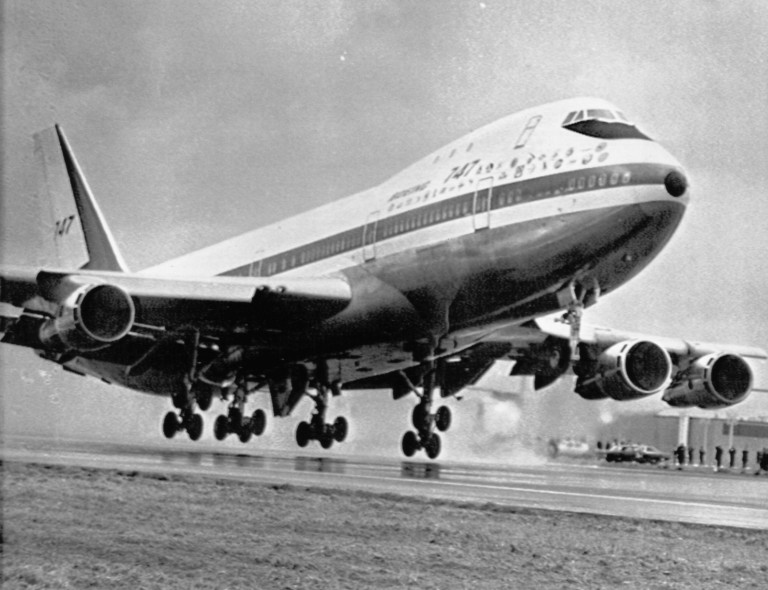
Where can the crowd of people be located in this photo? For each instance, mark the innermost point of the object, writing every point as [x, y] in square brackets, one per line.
[730, 459]
[683, 455]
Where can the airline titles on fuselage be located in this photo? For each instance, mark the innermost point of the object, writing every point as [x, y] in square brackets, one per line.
[519, 167]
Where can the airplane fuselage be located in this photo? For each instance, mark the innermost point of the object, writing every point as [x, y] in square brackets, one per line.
[487, 231]
[418, 284]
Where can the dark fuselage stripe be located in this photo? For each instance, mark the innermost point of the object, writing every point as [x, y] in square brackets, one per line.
[467, 204]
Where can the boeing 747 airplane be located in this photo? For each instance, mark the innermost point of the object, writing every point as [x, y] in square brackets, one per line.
[416, 286]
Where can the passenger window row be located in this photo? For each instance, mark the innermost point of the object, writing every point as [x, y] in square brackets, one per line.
[433, 214]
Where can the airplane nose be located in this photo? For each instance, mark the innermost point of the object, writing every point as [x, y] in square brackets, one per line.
[676, 183]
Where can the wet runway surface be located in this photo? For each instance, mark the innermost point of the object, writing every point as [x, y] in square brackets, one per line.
[696, 496]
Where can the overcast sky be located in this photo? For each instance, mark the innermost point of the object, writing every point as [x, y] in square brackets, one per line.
[195, 121]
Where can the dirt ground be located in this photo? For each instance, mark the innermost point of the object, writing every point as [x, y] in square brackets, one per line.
[68, 527]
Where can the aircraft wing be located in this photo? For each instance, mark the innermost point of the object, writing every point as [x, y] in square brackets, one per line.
[626, 365]
[107, 305]
[602, 336]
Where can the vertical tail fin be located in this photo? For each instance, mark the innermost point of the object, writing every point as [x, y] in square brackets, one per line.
[73, 223]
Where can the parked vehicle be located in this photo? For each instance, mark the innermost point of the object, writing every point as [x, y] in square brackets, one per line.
[636, 453]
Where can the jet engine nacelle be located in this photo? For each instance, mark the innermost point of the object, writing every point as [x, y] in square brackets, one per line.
[627, 370]
[713, 381]
[90, 318]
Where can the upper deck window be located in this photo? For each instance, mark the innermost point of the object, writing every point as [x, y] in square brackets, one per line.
[603, 124]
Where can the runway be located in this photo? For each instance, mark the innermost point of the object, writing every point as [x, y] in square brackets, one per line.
[630, 491]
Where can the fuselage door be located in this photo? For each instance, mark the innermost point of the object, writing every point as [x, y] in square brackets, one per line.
[527, 131]
[482, 203]
[369, 237]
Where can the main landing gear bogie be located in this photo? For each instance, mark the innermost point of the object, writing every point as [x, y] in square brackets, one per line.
[186, 419]
[192, 423]
[321, 431]
[425, 423]
[235, 423]
[430, 442]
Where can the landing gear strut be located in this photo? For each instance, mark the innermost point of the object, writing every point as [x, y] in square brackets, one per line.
[580, 297]
[425, 422]
[317, 428]
[185, 397]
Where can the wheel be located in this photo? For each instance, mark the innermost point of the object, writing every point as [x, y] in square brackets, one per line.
[221, 427]
[204, 398]
[419, 416]
[170, 425]
[433, 446]
[258, 422]
[235, 419]
[180, 397]
[410, 443]
[195, 426]
[443, 418]
[245, 432]
[303, 434]
[340, 429]
[326, 437]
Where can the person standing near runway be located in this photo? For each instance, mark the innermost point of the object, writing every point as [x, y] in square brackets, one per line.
[718, 457]
[680, 455]
[763, 461]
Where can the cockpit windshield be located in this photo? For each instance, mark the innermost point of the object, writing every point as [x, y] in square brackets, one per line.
[602, 123]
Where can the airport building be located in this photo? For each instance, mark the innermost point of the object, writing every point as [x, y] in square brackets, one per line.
[694, 428]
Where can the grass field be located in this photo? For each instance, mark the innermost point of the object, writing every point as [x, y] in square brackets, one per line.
[69, 527]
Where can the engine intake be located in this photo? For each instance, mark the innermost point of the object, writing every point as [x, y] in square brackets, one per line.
[713, 381]
[627, 370]
[90, 318]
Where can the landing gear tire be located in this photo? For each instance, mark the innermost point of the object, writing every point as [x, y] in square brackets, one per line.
[170, 425]
[410, 443]
[258, 422]
[195, 427]
[443, 418]
[221, 427]
[340, 429]
[245, 434]
[204, 399]
[326, 438]
[303, 434]
[235, 419]
[180, 399]
[432, 445]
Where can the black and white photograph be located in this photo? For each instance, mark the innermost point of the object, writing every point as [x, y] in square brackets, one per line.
[384, 294]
